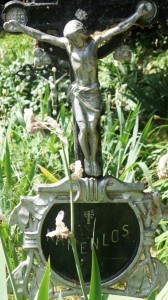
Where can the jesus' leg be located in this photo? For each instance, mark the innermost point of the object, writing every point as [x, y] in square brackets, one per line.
[93, 143]
[84, 144]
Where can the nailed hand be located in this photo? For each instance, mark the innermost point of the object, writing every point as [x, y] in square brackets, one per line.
[144, 8]
[12, 26]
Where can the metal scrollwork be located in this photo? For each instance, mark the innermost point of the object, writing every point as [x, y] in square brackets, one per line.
[141, 276]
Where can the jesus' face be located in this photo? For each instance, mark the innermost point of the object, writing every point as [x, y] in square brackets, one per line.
[78, 38]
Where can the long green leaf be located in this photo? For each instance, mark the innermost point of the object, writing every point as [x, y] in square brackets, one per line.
[135, 132]
[29, 177]
[7, 260]
[95, 285]
[7, 164]
[64, 159]
[43, 292]
[44, 103]
[120, 117]
[9, 242]
[1, 175]
[3, 274]
[146, 172]
[50, 176]
[153, 294]
[147, 130]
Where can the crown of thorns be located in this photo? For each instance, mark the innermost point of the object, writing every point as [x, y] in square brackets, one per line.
[72, 27]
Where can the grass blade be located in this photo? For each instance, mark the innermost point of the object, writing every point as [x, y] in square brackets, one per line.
[7, 164]
[95, 285]
[50, 176]
[146, 172]
[7, 259]
[64, 159]
[1, 175]
[44, 103]
[153, 294]
[3, 274]
[147, 130]
[9, 242]
[30, 176]
[120, 117]
[43, 292]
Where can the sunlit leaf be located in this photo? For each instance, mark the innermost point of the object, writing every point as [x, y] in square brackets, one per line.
[8, 168]
[146, 172]
[50, 176]
[95, 285]
[29, 176]
[43, 292]
[153, 294]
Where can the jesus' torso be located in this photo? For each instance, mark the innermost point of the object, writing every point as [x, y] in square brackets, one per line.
[84, 63]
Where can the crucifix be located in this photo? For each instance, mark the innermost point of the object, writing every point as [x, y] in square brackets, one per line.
[84, 92]
[123, 213]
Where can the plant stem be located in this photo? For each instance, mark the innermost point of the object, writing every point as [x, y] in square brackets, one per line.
[72, 236]
[78, 267]
[71, 193]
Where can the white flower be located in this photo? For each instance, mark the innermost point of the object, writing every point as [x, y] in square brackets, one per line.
[61, 230]
[162, 168]
[32, 124]
[54, 69]
[54, 125]
[77, 170]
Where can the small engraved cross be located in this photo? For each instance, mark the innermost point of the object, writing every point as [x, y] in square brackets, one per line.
[89, 214]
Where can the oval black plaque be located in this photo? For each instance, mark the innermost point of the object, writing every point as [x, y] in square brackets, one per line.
[116, 239]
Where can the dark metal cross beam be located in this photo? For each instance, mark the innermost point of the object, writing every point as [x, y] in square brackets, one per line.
[52, 15]
[65, 29]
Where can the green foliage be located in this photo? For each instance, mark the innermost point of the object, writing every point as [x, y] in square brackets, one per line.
[95, 284]
[43, 292]
[122, 143]
[153, 295]
[22, 86]
[107, 297]
[47, 174]
[132, 144]
[143, 79]
[162, 242]
[7, 164]
[8, 261]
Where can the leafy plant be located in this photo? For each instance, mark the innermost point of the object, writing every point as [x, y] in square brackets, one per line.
[43, 292]
[162, 242]
[7, 260]
[153, 295]
[95, 284]
[130, 150]
[122, 144]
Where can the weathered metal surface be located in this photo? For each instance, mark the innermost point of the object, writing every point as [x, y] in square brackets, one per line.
[124, 218]
[51, 17]
[116, 239]
[84, 91]
[96, 201]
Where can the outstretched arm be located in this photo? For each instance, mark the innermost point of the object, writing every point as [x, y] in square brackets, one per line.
[62, 77]
[142, 10]
[15, 26]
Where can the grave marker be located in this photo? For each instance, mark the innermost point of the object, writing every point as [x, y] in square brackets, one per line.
[117, 217]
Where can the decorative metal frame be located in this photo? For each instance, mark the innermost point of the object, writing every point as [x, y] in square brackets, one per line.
[142, 275]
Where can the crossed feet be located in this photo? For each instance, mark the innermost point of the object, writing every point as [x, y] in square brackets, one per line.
[92, 168]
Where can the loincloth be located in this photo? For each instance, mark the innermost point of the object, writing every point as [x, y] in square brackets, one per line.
[86, 102]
